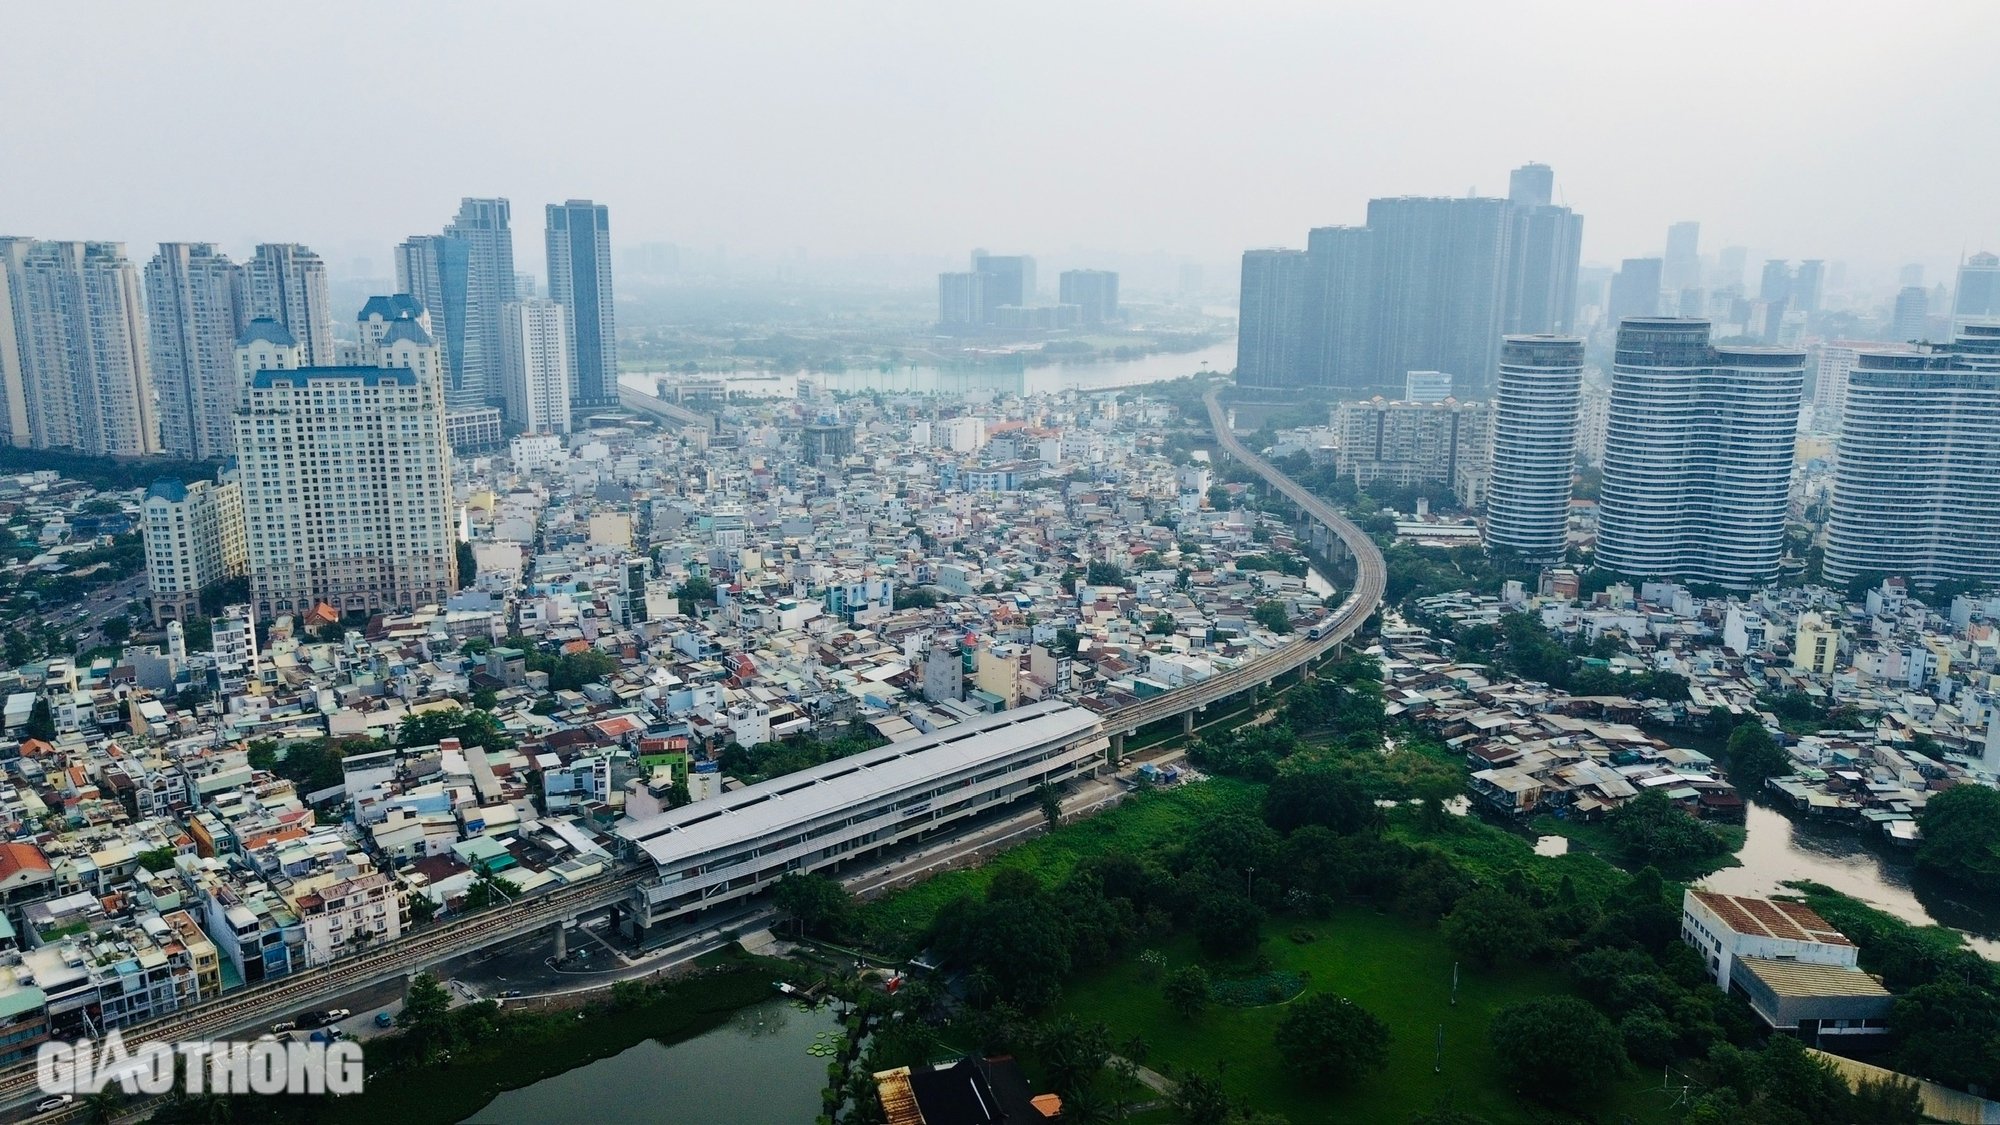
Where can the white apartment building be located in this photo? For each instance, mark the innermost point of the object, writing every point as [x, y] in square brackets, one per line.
[1698, 455]
[534, 452]
[1916, 488]
[1592, 415]
[535, 365]
[1410, 443]
[194, 536]
[1426, 386]
[1830, 364]
[1535, 402]
[960, 435]
[235, 644]
[346, 476]
[349, 915]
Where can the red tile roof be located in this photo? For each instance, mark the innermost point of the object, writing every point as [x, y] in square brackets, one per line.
[1791, 921]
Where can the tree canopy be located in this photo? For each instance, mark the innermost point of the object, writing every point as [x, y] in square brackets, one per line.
[471, 726]
[1489, 925]
[1961, 835]
[1187, 990]
[817, 902]
[1653, 830]
[1754, 757]
[1331, 1040]
[1272, 615]
[1557, 1048]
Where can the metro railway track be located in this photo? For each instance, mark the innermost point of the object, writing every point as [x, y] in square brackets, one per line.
[1371, 577]
[223, 1015]
[218, 1017]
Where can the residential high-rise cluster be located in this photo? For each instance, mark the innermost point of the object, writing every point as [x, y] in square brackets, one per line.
[1427, 284]
[1915, 490]
[1698, 455]
[341, 492]
[103, 358]
[999, 293]
[77, 374]
[465, 277]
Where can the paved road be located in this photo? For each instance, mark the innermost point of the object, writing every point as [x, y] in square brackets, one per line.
[85, 620]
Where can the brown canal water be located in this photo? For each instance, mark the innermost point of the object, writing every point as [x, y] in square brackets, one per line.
[1779, 849]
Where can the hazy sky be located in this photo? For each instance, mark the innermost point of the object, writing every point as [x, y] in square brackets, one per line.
[1862, 132]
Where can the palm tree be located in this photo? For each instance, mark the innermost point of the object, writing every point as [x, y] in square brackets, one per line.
[1086, 1106]
[103, 1107]
[215, 1109]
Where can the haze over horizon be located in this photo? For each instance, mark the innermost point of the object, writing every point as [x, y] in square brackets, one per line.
[887, 130]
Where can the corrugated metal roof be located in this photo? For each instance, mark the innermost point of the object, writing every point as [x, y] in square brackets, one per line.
[850, 782]
[1804, 979]
[899, 1101]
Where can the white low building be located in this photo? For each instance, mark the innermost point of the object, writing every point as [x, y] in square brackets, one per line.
[1798, 973]
[1727, 927]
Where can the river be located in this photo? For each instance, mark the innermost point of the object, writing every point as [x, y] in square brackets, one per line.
[756, 1068]
[1777, 850]
[994, 378]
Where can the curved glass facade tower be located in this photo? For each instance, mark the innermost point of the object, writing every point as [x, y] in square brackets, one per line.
[1916, 490]
[1697, 455]
[1535, 403]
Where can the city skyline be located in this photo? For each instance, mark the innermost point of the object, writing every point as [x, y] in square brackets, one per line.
[876, 193]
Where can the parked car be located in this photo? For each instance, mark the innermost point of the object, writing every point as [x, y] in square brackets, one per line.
[283, 1025]
[384, 1019]
[332, 1014]
[51, 1104]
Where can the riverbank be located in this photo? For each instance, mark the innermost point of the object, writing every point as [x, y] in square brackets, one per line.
[519, 1047]
[1013, 373]
[1779, 849]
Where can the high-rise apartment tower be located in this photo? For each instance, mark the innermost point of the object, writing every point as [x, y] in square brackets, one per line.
[1535, 405]
[1698, 455]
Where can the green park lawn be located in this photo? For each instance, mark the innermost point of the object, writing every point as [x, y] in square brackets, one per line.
[1399, 970]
